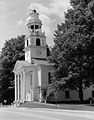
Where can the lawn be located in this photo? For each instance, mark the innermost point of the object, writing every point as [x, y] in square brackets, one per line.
[32, 104]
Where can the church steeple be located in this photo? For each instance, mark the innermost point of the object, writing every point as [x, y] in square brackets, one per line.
[35, 42]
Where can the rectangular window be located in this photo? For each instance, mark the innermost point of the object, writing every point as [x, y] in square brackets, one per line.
[93, 93]
[49, 77]
[67, 95]
[31, 80]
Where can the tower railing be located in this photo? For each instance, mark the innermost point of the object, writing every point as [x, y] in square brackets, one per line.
[37, 33]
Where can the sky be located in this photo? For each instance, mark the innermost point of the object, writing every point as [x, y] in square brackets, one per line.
[14, 13]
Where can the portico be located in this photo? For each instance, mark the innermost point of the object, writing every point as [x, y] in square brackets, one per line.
[27, 78]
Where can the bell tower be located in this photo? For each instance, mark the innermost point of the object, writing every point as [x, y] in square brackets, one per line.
[35, 41]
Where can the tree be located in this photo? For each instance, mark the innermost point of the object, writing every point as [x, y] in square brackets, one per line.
[73, 52]
[11, 52]
[43, 91]
[50, 90]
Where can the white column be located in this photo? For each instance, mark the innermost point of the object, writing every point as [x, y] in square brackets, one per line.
[15, 88]
[21, 87]
[18, 87]
[40, 96]
[39, 77]
[24, 87]
[40, 84]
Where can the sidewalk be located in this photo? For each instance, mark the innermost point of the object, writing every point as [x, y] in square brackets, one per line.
[59, 112]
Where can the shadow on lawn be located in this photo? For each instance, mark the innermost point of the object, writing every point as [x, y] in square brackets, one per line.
[65, 106]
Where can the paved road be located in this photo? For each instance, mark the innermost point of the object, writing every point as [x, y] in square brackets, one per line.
[9, 113]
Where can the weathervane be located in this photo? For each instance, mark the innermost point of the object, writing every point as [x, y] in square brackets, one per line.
[33, 4]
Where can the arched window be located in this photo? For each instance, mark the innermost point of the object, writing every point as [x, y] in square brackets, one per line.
[37, 42]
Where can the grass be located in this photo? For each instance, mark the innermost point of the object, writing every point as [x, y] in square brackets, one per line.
[32, 104]
[85, 107]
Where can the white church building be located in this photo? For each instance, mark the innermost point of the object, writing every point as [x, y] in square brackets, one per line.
[35, 70]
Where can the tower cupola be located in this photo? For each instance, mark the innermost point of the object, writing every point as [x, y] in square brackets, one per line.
[34, 23]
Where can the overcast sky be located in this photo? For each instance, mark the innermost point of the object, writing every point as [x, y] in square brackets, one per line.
[13, 15]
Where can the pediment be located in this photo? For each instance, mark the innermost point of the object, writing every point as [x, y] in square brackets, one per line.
[20, 64]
